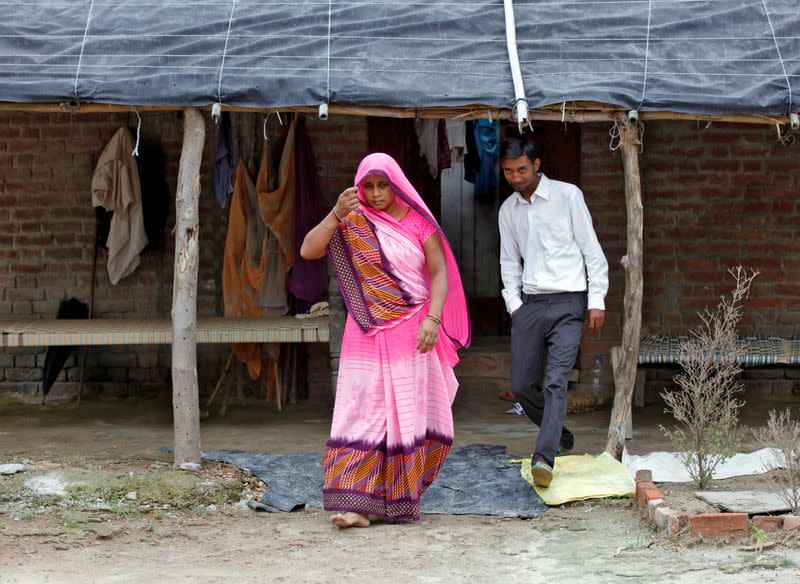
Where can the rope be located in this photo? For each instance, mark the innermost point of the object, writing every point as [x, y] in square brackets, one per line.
[615, 133]
[778, 48]
[646, 53]
[83, 45]
[138, 134]
[225, 52]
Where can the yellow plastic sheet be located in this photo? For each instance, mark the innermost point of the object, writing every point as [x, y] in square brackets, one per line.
[581, 477]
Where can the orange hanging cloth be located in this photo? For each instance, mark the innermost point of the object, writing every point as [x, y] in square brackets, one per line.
[259, 248]
[277, 205]
[243, 264]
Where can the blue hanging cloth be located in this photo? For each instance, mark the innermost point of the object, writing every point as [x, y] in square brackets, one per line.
[487, 140]
[223, 174]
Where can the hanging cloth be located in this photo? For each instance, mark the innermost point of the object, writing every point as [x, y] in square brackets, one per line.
[487, 139]
[115, 187]
[428, 136]
[309, 278]
[243, 264]
[472, 160]
[456, 134]
[223, 174]
[276, 204]
[443, 146]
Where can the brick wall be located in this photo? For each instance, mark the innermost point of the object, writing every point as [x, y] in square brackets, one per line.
[714, 198]
[47, 229]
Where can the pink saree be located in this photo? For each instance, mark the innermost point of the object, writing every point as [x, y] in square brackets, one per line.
[392, 423]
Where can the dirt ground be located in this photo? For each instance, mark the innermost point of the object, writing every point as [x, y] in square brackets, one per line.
[124, 515]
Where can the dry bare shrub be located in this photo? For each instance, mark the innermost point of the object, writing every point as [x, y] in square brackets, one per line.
[783, 434]
[705, 405]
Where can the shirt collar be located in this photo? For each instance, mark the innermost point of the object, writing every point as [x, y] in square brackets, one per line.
[542, 190]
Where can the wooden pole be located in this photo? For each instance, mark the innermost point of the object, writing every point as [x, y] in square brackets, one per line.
[625, 367]
[185, 393]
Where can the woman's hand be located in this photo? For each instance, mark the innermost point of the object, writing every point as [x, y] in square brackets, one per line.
[427, 335]
[347, 202]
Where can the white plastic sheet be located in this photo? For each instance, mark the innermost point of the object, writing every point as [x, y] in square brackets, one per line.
[668, 468]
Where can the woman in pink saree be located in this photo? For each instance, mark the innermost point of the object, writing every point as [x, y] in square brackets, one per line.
[392, 423]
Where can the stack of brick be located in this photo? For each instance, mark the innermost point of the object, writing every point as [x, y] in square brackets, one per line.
[708, 526]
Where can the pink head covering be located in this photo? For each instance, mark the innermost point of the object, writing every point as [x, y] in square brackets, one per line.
[455, 317]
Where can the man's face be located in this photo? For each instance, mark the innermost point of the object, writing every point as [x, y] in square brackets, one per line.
[520, 173]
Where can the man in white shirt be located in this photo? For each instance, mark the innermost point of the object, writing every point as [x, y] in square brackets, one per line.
[548, 249]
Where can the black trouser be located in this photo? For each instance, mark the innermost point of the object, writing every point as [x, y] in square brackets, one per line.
[545, 337]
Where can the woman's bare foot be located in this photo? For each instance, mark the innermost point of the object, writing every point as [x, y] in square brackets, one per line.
[345, 520]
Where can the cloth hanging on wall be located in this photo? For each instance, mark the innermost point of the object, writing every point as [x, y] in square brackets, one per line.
[443, 146]
[428, 138]
[115, 187]
[456, 134]
[156, 196]
[277, 194]
[243, 264]
[309, 278]
[223, 174]
[472, 161]
[487, 139]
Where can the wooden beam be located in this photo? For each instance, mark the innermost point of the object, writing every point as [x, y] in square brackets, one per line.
[626, 359]
[185, 393]
[573, 112]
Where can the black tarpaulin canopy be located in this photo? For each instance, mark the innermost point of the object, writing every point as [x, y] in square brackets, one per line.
[686, 56]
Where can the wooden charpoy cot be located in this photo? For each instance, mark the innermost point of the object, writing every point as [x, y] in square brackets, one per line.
[158, 331]
[31, 332]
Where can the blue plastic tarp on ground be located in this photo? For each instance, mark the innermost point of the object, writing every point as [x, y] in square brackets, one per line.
[475, 480]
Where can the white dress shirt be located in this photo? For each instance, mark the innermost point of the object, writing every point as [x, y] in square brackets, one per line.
[548, 245]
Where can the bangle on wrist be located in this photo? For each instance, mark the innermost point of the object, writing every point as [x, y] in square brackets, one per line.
[335, 214]
[434, 318]
[331, 229]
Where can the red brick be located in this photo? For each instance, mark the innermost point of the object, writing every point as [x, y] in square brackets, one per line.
[677, 521]
[646, 491]
[713, 526]
[768, 523]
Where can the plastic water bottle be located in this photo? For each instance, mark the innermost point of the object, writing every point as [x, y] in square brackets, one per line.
[597, 372]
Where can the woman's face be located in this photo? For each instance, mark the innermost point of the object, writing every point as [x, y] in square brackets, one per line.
[377, 192]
